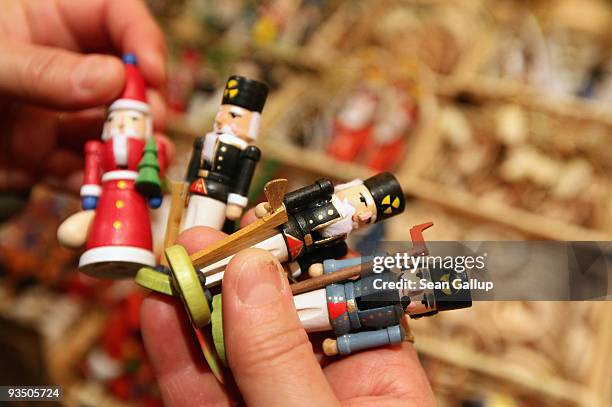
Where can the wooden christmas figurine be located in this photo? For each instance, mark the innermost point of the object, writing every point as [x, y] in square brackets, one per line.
[223, 161]
[369, 312]
[320, 218]
[122, 180]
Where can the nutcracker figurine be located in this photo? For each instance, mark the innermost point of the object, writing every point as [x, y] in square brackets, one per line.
[122, 178]
[369, 312]
[223, 161]
[321, 218]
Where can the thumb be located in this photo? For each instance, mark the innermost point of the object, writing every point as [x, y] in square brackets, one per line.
[57, 78]
[267, 347]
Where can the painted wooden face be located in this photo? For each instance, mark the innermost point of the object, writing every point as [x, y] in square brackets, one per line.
[131, 123]
[237, 121]
[360, 198]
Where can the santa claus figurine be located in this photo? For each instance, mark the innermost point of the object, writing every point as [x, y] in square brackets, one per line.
[121, 181]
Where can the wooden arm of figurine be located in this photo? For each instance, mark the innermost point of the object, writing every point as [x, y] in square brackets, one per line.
[354, 342]
[92, 174]
[314, 283]
[162, 155]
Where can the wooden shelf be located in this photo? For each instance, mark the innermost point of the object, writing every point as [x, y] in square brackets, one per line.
[518, 378]
[537, 226]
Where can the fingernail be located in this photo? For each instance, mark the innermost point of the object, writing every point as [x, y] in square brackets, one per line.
[89, 71]
[95, 72]
[260, 280]
[156, 63]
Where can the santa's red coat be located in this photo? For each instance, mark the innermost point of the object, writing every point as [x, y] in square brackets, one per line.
[122, 214]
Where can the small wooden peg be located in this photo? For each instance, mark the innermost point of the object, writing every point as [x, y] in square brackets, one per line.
[330, 347]
[262, 209]
[315, 270]
[180, 193]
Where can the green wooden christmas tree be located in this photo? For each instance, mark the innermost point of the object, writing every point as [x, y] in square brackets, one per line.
[148, 182]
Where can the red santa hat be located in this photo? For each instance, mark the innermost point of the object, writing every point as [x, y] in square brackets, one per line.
[134, 96]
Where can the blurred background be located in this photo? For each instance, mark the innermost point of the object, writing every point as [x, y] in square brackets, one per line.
[495, 115]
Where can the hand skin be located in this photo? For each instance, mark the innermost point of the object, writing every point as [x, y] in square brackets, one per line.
[271, 358]
[55, 80]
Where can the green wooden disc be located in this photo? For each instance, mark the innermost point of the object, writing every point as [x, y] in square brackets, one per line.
[217, 328]
[188, 285]
[154, 280]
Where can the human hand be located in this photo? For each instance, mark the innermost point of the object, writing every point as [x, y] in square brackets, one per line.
[51, 91]
[271, 358]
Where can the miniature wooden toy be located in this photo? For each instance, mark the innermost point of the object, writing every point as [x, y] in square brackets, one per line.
[223, 161]
[316, 222]
[122, 177]
[368, 312]
[320, 217]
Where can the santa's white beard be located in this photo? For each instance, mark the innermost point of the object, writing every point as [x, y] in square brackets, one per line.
[345, 225]
[120, 144]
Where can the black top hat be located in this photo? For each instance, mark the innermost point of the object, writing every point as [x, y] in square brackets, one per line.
[247, 93]
[453, 298]
[387, 193]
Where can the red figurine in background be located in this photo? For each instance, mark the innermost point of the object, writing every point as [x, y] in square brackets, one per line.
[397, 116]
[122, 178]
[353, 125]
[372, 127]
